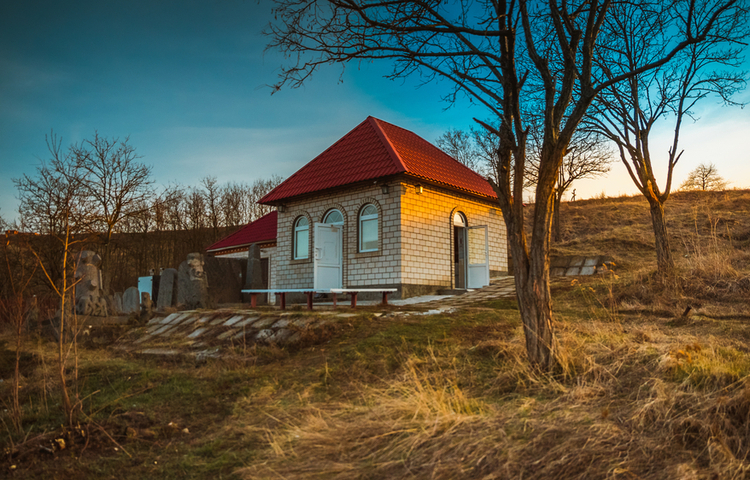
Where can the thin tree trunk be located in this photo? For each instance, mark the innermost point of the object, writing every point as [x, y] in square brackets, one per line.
[61, 343]
[664, 260]
[558, 201]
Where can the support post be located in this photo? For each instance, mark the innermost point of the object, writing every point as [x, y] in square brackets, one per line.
[354, 299]
[309, 300]
[385, 298]
[282, 299]
[253, 300]
[335, 295]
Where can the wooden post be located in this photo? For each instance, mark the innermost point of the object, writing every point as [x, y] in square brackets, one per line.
[385, 298]
[309, 300]
[334, 299]
[282, 299]
[253, 300]
[354, 299]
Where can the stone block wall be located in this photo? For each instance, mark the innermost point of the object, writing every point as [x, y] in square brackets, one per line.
[427, 233]
[382, 267]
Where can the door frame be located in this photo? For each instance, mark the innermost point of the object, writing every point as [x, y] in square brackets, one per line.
[316, 228]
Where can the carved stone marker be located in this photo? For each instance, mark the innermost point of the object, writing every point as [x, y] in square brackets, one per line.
[167, 289]
[89, 299]
[117, 303]
[254, 268]
[147, 306]
[254, 277]
[130, 301]
[224, 276]
[192, 283]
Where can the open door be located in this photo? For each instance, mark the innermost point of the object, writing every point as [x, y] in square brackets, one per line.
[327, 270]
[479, 257]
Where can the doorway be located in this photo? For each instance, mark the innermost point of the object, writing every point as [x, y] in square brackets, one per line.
[327, 263]
[459, 250]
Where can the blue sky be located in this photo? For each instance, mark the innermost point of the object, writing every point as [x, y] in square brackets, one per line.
[186, 81]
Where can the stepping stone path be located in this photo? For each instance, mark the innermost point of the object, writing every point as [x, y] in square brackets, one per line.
[207, 333]
[502, 287]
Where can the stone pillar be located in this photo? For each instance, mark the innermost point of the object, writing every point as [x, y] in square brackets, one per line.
[167, 297]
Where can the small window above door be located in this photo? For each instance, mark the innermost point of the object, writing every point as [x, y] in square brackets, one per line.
[459, 220]
[334, 217]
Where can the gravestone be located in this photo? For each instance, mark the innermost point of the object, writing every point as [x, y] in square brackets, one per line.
[117, 303]
[130, 301]
[167, 289]
[224, 276]
[192, 283]
[147, 306]
[89, 298]
[254, 277]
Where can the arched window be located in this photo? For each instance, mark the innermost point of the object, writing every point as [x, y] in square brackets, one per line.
[459, 220]
[368, 228]
[301, 238]
[334, 217]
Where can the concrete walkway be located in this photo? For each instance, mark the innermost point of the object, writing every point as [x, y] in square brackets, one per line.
[500, 287]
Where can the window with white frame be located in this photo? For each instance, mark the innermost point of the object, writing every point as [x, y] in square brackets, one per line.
[301, 238]
[368, 228]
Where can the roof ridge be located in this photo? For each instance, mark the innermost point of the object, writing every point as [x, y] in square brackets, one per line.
[387, 141]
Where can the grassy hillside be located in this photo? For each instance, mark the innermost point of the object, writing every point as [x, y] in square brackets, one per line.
[641, 391]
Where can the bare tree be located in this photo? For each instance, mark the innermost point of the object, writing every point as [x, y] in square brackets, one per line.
[510, 57]
[54, 202]
[704, 177]
[212, 194]
[588, 156]
[116, 185]
[627, 111]
[460, 145]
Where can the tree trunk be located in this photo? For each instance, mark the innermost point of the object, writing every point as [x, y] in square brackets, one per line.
[558, 201]
[531, 272]
[664, 260]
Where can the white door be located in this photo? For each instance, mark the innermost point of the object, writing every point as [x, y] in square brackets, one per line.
[327, 269]
[479, 257]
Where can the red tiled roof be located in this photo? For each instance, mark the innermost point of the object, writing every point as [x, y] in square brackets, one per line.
[376, 149]
[259, 231]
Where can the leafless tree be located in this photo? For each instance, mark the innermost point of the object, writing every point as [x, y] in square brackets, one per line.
[460, 145]
[234, 197]
[116, 186]
[627, 111]
[512, 58]
[212, 194]
[588, 156]
[704, 177]
[54, 203]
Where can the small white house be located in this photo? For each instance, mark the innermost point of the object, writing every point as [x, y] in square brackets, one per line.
[379, 208]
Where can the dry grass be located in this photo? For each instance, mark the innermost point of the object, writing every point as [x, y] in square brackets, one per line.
[640, 391]
[629, 402]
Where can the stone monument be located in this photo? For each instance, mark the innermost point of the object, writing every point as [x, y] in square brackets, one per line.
[130, 301]
[89, 297]
[167, 289]
[192, 283]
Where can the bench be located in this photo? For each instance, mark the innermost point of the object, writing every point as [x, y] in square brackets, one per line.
[281, 293]
[309, 292]
[354, 291]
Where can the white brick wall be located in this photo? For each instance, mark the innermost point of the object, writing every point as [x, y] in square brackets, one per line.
[360, 269]
[427, 230]
[415, 236]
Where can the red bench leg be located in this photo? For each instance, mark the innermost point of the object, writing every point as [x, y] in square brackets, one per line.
[354, 299]
[385, 298]
[282, 300]
[334, 299]
[309, 300]
[253, 300]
